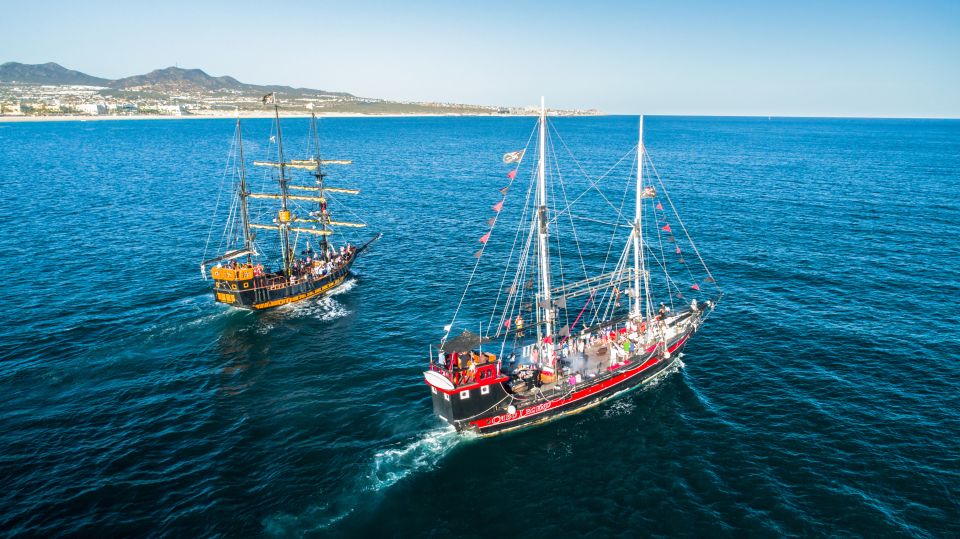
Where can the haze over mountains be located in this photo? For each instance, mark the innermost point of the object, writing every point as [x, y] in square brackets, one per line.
[162, 80]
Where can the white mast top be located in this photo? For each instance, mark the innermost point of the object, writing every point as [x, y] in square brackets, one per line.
[544, 242]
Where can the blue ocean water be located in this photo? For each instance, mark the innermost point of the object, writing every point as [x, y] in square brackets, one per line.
[822, 398]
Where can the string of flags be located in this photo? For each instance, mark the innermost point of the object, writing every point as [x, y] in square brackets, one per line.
[666, 228]
[511, 157]
[516, 157]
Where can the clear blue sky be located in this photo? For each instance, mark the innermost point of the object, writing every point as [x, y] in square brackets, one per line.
[835, 58]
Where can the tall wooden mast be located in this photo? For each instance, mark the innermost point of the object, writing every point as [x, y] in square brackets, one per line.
[283, 218]
[323, 213]
[244, 213]
[543, 237]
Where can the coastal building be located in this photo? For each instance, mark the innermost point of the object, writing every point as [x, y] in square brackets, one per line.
[92, 109]
[173, 110]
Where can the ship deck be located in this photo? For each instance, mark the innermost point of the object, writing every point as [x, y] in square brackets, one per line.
[593, 362]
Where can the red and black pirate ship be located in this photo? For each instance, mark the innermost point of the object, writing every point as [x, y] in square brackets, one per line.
[563, 334]
[261, 273]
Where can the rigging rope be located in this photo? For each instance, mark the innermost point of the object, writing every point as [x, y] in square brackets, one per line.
[223, 176]
[682, 226]
[480, 257]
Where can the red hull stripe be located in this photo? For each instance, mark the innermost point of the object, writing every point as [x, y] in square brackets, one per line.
[575, 396]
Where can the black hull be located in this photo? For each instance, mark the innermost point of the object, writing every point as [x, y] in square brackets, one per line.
[554, 412]
[262, 298]
[257, 293]
[260, 293]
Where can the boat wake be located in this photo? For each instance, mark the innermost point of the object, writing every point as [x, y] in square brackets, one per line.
[387, 468]
[325, 308]
[392, 465]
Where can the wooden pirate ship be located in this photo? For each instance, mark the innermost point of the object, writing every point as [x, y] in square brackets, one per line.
[254, 272]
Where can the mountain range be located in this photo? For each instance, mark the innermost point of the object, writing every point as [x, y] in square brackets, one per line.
[159, 80]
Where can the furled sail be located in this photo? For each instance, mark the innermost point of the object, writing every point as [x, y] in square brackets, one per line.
[294, 229]
[306, 164]
[330, 189]
[289, 197]
[322, 161]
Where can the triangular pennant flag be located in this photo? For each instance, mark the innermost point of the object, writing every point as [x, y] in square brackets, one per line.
[564, 331]
[548, 340]
[678, 249]
[478, 253]
[485, 237]
[710, 280]
[666, 228]
[503, 190]
[695, 286]
[679, 295]
[498, 206]
[659, 206]
[672, 239]
[512, 174]
[491, 221]
[507, 322]
[682, 260]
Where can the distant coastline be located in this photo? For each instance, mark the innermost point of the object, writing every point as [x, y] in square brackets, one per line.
[245, 115]
[51, 92]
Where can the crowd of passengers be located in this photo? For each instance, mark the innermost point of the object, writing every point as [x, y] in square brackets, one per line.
[310, 263]
[618, 343]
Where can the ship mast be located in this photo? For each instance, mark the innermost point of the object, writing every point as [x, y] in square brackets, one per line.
[544, 244]
[284, 215]
[323, 216]
[244, 213]
[638, 261]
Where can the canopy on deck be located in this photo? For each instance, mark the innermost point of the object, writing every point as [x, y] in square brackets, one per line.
[464, 342]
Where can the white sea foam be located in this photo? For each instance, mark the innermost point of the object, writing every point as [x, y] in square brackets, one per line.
[620, 408]
[388, 467]
[392, 465]
[325, 308]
